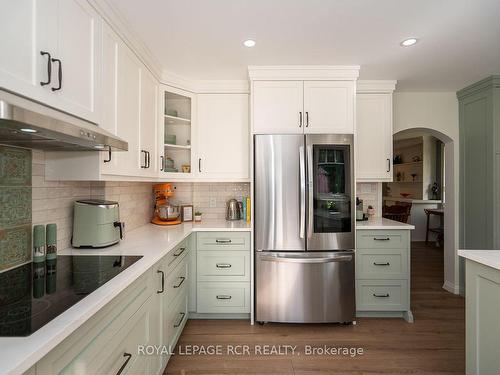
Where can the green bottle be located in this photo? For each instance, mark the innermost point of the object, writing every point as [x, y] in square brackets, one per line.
[51, 241]
[39, 243]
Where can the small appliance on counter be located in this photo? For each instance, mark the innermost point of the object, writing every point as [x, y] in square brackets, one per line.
[96, 223]
[165, 212]
[360, 216]
[233, 211]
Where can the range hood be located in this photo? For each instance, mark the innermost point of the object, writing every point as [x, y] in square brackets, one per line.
[31, 125]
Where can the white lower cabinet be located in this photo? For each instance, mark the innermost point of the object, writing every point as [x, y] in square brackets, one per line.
[151, 311]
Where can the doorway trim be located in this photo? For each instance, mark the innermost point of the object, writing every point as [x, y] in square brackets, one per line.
[451, 281]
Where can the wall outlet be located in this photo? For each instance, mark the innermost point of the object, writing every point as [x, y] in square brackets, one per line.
[213, 202]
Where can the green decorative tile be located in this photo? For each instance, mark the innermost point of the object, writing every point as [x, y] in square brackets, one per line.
[15, 166]
[16, 206]
[15, 246]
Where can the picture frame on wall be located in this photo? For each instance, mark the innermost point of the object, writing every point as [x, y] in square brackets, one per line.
[187, 212]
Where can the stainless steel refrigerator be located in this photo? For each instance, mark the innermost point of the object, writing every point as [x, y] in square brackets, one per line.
[304, 228]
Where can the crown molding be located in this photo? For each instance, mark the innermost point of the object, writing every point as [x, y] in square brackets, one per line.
[176, 80]
[118, 22]
[205, 86]
[303, 72]
[375, 86]
[223, 87]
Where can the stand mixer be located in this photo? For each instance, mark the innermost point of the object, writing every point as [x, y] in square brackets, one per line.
[165, 213]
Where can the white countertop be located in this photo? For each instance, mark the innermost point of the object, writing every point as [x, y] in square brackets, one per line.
[153, 242]
[412, 200]
[490, 258]
[381, 223]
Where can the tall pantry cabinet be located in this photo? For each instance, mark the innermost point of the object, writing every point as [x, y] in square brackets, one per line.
[479, 118]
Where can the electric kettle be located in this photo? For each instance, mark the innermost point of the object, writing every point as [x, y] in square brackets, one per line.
[233, 210]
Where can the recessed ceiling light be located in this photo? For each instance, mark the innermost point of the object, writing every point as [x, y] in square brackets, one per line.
[28, 130]
[409, 42]
[249, 43]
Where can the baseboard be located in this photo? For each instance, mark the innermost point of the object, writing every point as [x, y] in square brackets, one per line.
[450, 287]
[193, 315]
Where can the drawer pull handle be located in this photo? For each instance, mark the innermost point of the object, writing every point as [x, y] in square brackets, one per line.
[180, 320]
[381, 239]
[223, 265]
[182, 280]
[381, 264]
[128, 356]
[162, 282]
[223, 297]
[381, 295]
[223, 241]
[182, 249]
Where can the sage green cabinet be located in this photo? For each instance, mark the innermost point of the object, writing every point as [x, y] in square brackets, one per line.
[479, 117]
[383, 273]
[151, 311]
[482, 305]
[223, 273]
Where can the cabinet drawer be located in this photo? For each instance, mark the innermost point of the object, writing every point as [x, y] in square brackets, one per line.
[223, 266]
[177, 253]
[176, 318]
[221, 297]
[111, 327]
[176, 282]
[382, 295]
[123, 346]
[239, 241]
[381, 264]
[382, 239]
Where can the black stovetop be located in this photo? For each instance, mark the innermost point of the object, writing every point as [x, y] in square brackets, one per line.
[33, 294]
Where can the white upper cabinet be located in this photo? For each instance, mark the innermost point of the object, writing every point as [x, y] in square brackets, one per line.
[374, 131]
[128, 91]
[303, 99]
[25, 27]
[51, 53]
[329, 107]
[223, 136]
[149, 123]
[76, 62]
[278, 107]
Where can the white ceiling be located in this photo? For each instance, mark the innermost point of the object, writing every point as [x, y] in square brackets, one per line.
[202, 39]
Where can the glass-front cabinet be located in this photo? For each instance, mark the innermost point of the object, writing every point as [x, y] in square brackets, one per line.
[177, 130]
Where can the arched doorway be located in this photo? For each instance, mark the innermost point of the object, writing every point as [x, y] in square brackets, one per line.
[451, 280]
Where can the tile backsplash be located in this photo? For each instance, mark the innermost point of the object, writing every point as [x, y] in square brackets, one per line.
[28, 199]
[371, 194]
[15, 203]
[53, 200]
[210, 198]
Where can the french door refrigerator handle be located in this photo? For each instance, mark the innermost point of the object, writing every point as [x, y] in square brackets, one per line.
[302, 196]
[310, 191]
[295, 259]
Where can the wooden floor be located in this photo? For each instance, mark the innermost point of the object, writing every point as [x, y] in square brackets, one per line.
[434, 344]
